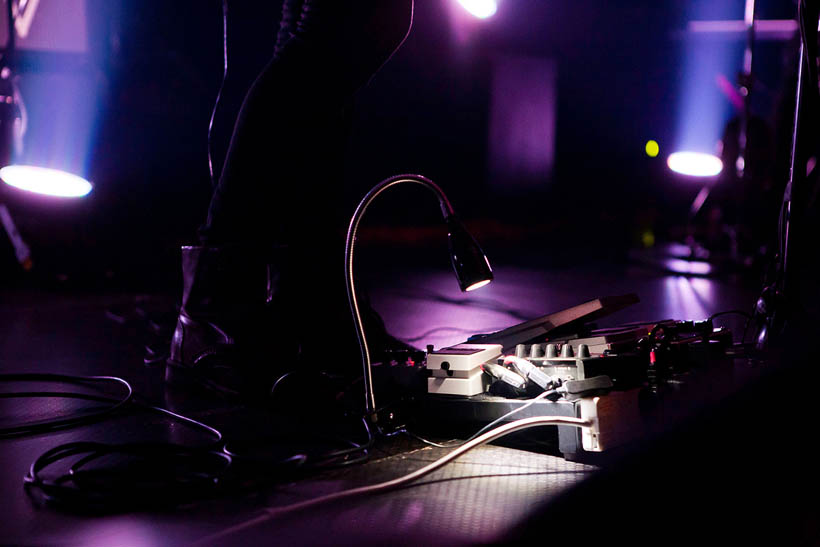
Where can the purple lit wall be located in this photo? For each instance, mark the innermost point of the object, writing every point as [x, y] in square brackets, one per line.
[522, 122]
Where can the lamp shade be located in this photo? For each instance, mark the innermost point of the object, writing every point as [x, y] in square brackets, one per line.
[469, 262]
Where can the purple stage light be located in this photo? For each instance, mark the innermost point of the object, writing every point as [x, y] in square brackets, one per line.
[50, 182]
[695, 164]
[482, 9]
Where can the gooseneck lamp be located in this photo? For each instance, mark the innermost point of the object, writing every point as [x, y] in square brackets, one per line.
[470, 265]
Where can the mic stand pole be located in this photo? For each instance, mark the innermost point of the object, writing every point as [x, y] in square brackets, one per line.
[774, 302]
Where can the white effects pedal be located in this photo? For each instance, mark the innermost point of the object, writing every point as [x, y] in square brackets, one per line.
[457, 370]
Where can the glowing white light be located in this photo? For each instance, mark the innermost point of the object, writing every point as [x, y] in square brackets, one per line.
[50, 182]
[695, 164]
[691, 267]
[480, 8]
[478, 285]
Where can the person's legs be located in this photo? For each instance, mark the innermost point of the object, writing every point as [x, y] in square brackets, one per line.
[285, 154]
[270, 266]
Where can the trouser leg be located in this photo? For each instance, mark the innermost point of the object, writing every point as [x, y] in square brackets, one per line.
[279, 189]
[285, 154]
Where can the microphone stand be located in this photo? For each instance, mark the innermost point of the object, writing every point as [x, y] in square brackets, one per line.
[778, 302]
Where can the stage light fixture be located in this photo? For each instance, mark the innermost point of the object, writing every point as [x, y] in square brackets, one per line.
[695, 164]
[483, 9]
[41, 180]
[470, 265]
[703, 109]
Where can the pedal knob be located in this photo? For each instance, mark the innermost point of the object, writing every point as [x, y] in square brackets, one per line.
[583, 351]
[566, 351]
[536, 351]
[552, 352]
[521, 350]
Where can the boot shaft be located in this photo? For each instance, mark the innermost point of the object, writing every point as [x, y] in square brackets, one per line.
[225, 285]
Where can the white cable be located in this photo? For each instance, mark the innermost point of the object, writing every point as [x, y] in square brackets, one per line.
[498, 420]
[506, 429]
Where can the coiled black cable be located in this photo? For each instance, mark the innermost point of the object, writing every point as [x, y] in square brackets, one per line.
[72, 421]
[94, 477]
[144, 474]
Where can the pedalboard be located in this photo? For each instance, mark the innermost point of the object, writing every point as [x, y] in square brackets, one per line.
[564, 361]
[616, 378]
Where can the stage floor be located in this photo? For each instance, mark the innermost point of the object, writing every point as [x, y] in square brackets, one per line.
[476, 499]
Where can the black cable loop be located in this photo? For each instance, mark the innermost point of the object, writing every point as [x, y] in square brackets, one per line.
[62, 423]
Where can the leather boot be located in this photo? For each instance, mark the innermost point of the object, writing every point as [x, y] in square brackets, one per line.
[232, 333]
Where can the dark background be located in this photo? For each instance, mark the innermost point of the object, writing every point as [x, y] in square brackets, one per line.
[619, 77]
[619, 70]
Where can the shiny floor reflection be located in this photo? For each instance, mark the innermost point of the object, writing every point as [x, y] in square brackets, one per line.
[427, 308]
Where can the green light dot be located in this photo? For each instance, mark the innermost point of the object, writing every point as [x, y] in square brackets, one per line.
[648, 239]
[652, 148]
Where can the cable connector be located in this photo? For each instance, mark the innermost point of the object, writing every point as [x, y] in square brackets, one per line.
[505, 375]
[532, 372]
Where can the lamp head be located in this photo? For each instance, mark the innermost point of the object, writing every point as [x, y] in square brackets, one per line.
[469, 262]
